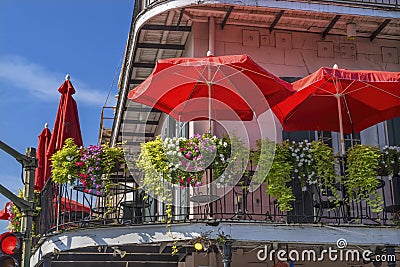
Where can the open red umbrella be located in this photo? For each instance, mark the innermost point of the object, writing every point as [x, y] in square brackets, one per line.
[42, 173]
[230, 87]
[66, 124]
[4, 215]
[341, 100]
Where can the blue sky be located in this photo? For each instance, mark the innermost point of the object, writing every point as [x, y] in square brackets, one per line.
[42, 41]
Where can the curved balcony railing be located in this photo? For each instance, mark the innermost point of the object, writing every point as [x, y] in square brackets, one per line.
[373, 4]
[67, 207]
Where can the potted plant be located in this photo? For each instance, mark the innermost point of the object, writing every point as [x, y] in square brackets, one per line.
[279, 174]
[182, 161]
[309, 162]
[91, 166]
[361, 180]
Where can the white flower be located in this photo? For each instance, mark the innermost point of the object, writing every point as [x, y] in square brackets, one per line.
[69, 158]
[225, 144]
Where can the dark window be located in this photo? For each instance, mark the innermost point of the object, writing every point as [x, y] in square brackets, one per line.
[393, 127]
[299, 135]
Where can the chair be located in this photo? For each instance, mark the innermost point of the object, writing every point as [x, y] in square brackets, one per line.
[325, 200]
[133, 210]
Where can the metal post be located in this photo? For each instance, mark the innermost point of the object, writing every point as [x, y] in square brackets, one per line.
[29, 163]
[227, 253]
[26, 224]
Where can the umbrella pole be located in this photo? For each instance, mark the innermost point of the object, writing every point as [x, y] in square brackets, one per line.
[209, 106]
[342, 148]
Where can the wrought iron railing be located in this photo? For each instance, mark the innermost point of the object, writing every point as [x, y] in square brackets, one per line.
[67, 207]
[373, 4]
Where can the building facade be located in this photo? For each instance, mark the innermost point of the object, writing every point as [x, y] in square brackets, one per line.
[291, 39]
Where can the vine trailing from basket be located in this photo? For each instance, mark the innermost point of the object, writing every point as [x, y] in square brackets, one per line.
[361, 181]
[310, 162]
[91, 166]
[180, 161]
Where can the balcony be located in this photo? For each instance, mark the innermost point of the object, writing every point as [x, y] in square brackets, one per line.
[67, 207]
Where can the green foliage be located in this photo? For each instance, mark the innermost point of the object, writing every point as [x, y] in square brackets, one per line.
[63, 163]
[279, 175]
[111, 157]
[92, 165]
[154, 164]
[323, 158]
[15, 218]
[310, 162]
[361, 180]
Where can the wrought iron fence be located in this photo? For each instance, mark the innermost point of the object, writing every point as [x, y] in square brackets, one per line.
[67, 207]
[373, 4]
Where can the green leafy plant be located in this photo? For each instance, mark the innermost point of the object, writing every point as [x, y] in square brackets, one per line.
[361, 180]
[182, 161]
[312, 163]
[279, 175]
[63, 163]
[324, 160]
[15, 215]
[92, 165]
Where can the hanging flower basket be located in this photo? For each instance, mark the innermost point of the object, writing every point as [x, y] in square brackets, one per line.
[90, 166]
[183, 161]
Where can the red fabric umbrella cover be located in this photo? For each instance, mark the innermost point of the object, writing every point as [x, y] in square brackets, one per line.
[67, 204]
[366, 98]
[42, 173]
[238, 87]
[67, 121]
[4, 215]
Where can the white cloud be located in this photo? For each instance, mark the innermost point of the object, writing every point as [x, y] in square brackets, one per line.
[43, 83]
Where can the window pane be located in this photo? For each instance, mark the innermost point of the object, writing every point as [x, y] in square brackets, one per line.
[393, 127]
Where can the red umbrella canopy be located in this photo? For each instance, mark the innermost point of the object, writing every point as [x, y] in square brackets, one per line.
[4, 215]
[221, 88]
[42, 173]
[67, 121]
[364, 97]
[67, 204]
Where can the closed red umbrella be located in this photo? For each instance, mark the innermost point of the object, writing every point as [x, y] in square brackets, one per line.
[230, 87]
[341, 100]
[66, 124]
[4, 215]
[42, 173]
